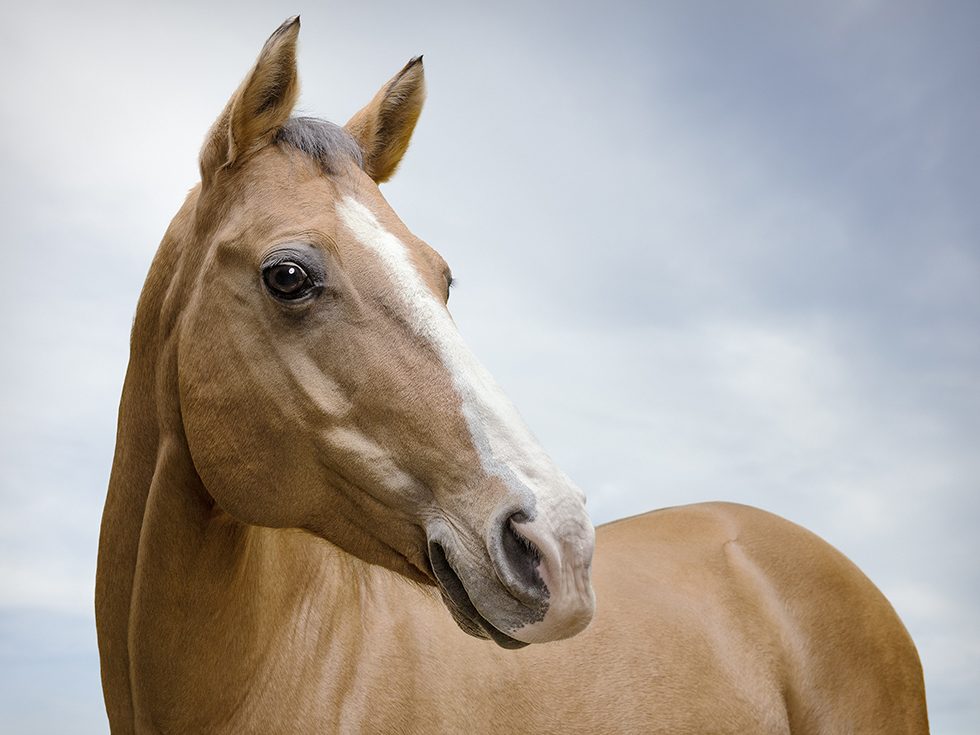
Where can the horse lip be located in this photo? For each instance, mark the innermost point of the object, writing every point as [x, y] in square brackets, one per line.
[464, 612]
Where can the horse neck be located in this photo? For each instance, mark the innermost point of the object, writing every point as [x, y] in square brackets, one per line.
[138, 443]
[210, 595]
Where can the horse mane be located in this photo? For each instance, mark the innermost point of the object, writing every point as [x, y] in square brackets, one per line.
[328, 144]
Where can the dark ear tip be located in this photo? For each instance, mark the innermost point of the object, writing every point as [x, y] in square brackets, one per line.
[413, 70]
[284, 36]
[290, 24]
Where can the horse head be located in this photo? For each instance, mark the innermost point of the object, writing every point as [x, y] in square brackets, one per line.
[323, 384]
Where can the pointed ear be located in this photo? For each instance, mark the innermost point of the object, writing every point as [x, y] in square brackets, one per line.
[383, 128]
[259, 108]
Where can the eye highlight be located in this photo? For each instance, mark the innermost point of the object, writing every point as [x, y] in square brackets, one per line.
[287, 280]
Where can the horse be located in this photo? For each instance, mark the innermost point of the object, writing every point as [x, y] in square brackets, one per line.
[325, 516]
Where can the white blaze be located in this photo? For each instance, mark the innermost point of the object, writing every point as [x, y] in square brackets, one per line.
[503, 442]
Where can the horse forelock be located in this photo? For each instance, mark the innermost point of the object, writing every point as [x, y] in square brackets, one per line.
[328, 144]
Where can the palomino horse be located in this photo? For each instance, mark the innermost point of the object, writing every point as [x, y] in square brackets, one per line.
[311, 467]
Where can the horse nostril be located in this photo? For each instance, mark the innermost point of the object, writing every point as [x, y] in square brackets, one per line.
[520, 559]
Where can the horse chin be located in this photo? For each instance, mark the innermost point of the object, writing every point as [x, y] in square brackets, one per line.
[464, 612]
[478, 626]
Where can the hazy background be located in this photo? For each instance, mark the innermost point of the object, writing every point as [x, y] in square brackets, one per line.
[712, 250]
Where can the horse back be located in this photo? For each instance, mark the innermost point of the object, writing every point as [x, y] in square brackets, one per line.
[761, 605]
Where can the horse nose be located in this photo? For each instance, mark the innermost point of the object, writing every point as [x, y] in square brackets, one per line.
[516, 560]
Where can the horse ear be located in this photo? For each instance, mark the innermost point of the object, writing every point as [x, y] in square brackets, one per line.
[384, 126]
[260, 106]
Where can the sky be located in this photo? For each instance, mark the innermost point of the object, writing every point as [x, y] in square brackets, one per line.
[712, 251]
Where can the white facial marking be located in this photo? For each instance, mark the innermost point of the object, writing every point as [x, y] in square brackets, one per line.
[503, 442]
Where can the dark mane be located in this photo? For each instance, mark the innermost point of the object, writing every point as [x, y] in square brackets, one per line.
[328, 144]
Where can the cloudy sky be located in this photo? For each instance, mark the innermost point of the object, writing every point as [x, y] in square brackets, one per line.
[712, 252]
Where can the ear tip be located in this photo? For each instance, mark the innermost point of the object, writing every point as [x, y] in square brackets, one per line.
[283, 38]
[414, 67]
[289, 26]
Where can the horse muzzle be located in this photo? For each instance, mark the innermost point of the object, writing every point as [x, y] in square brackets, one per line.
[527, 580]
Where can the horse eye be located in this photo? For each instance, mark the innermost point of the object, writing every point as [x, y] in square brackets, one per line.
[287, 280]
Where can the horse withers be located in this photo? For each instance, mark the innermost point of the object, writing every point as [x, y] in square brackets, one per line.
[311, 467]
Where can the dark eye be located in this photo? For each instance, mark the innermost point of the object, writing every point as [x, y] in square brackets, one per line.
[287, 280]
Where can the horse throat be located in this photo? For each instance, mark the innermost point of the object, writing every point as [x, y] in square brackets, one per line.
[195, 607]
